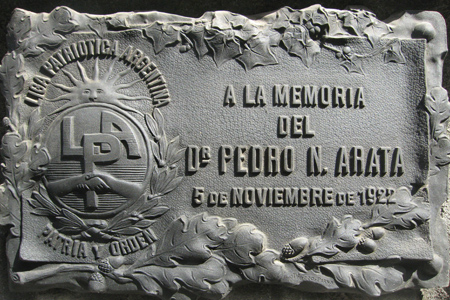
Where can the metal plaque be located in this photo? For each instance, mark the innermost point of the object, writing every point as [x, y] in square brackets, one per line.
[178, 157]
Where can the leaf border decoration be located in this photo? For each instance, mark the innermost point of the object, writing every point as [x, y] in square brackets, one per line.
[23, 154]
[199, 254]
[46, 31]
[438, 107]
[227, 36]
[207, 255]
[402, 211]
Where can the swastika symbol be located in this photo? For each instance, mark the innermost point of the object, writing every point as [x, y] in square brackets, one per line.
[102, 147]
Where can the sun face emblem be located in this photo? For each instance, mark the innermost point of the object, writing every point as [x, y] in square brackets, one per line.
[103, 89]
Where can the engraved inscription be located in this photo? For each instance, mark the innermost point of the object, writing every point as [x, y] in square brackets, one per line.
[299, 96]
[292, 197]
[255, 160]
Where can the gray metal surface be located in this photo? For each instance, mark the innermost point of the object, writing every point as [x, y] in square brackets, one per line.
[179, 157]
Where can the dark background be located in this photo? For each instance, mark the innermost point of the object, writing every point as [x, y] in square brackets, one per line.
[383, 9]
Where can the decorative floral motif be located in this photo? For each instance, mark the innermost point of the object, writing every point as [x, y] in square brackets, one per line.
[403, 212]
[45, 31]
[374, 280]
[197, 254]
[303, 33]
[438, 108]
[12, 77]
[23, 155]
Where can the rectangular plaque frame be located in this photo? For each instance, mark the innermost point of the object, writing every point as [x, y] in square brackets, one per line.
[173, 156]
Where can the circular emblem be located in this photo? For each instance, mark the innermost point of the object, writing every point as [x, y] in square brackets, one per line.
[100, 159]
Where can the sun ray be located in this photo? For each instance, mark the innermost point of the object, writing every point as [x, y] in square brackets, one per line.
[127, 85]
[110, 70]
[59, 98]
[96, 70]
[132, 98]
[83, 74]
[63, 87]
[120, 75]
[71, 77]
